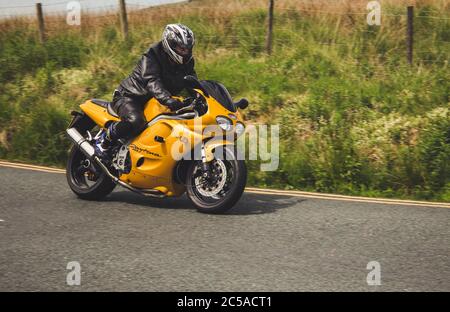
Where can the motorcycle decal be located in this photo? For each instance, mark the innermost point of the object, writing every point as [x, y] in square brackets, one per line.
[143, 150]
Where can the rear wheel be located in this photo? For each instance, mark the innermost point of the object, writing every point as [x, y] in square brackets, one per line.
[219, 192]
[85, 178]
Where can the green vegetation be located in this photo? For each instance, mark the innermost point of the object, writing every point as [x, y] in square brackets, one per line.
[355, 117]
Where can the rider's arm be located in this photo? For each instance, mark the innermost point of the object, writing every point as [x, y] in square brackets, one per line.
[151, 72]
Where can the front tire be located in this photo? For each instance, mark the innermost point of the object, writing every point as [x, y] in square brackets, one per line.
[81, 179]
[222, 194]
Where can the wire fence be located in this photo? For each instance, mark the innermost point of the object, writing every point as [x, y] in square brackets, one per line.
[52, 21]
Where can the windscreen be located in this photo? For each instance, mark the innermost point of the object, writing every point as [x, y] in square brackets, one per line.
[220, 93]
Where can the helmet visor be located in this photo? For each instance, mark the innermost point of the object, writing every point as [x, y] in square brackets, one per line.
[181, 50]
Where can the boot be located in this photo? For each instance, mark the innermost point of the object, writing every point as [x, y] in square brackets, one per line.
[104, 143]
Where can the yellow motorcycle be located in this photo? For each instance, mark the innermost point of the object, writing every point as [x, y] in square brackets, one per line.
[192, 150]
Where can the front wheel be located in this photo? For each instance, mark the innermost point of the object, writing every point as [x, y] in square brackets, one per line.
[224, 186]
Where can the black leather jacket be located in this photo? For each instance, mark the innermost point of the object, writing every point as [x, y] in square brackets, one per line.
[155, 75]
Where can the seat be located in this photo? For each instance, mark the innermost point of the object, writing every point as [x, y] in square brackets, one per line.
[106, 105]
[111, 110]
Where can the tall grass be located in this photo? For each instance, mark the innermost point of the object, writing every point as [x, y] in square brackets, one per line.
[355, 117]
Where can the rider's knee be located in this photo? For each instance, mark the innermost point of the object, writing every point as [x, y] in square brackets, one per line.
[137, 123]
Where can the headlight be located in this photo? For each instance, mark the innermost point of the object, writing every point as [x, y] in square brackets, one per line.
[224, 123]
[240, 128]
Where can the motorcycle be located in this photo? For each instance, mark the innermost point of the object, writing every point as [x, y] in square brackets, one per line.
[177, 152]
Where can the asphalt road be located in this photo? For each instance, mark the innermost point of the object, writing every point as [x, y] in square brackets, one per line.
[266, 242]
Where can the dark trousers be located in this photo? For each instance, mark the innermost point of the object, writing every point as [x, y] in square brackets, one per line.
[132, 119]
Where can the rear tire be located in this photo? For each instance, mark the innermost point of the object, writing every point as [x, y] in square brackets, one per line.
[236, 170]
[78, 182]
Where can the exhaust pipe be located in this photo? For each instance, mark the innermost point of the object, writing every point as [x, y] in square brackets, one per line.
[89, 151]
[81, 142]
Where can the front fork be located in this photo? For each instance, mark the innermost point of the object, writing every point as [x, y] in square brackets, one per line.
[206, 169]
[208, 154]
[206, 172]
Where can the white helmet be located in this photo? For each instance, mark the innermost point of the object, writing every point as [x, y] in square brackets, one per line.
[178, 41]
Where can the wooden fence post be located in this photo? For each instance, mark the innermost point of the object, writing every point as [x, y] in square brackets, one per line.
[270, 28]
[123, 18]
[40, 18]
[410, 34]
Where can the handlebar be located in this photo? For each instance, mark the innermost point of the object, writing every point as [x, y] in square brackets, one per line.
[188, 107]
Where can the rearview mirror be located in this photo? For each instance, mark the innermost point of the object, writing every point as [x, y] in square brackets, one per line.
[242, 103]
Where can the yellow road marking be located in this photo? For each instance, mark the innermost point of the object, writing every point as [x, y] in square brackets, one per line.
[27, 166]
[348, 197]
[273, 191]
[355, 199]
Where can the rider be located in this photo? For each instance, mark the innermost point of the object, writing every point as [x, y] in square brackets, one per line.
[159, 73]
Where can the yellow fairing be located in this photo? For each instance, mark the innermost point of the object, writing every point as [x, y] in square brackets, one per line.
[97, 113]
[152, 163]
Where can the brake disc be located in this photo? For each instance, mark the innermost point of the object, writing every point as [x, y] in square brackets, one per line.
[210, 190]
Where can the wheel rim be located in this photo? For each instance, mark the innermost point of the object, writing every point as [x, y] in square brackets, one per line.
[211, 192]
[212, 188]
[81, 173]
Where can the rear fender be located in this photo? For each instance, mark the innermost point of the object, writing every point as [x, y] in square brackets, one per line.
[81, 122]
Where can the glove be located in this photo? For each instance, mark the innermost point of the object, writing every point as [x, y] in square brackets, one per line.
[174, 104]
